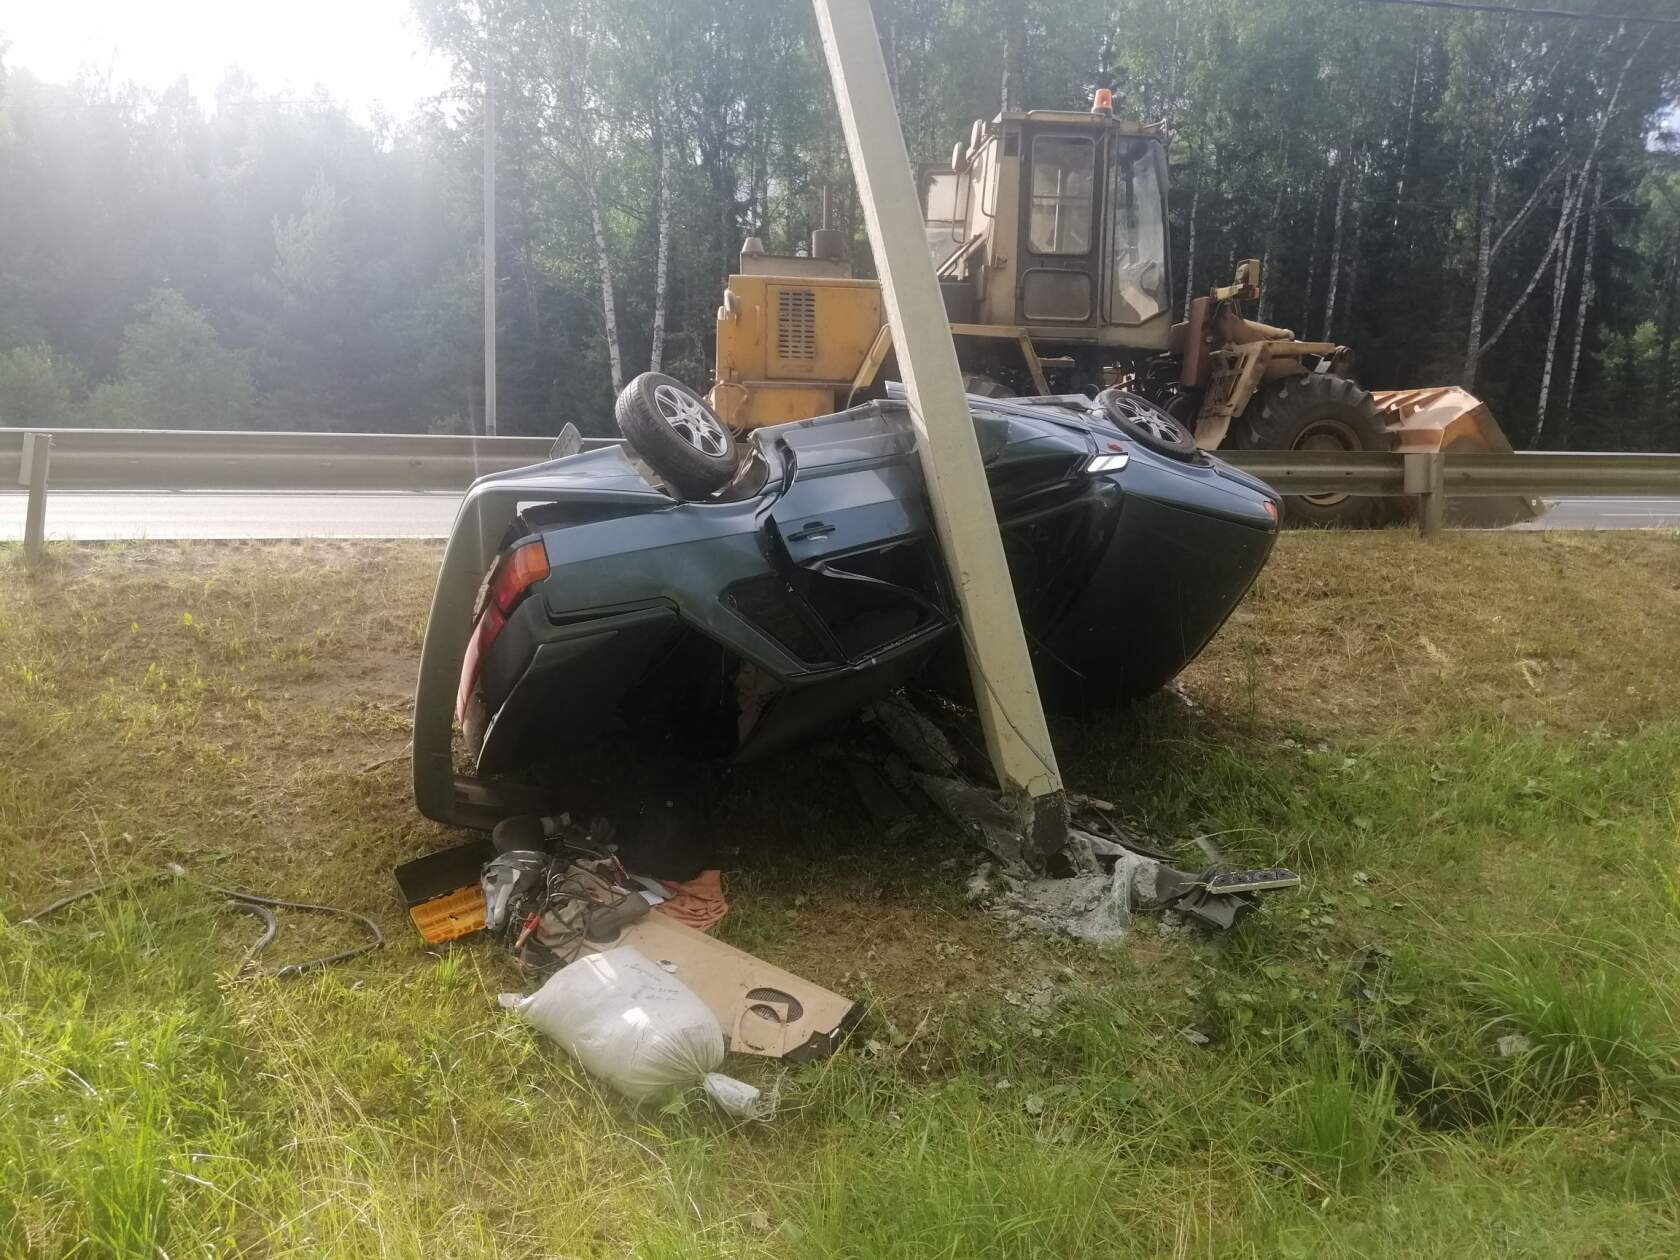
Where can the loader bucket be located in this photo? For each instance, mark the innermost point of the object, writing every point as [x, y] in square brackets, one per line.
[1449, 419]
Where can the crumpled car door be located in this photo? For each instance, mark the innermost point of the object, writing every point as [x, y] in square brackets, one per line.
[852, 537]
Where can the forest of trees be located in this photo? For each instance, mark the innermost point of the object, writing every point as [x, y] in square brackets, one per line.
[1481, 199]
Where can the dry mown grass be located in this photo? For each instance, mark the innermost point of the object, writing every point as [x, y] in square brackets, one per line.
[1463, 742]
[1378, 633]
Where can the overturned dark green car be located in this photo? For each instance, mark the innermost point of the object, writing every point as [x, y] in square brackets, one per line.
[736, 598]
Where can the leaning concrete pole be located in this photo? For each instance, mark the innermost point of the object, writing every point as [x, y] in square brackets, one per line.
[1004, 688]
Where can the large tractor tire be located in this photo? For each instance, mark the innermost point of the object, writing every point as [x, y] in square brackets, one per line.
[1321, 413]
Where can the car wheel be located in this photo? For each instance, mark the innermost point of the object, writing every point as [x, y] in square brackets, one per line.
[677, 434]
[1321, 413]
[1147, 424]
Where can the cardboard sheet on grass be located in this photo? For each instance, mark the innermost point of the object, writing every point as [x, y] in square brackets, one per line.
[762, 1009]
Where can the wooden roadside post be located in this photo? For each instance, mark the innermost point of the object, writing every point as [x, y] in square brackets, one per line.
[1005, 691]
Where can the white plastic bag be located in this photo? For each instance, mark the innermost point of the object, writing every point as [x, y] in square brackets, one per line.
[632, 1023]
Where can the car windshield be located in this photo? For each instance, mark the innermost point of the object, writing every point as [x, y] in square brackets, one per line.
[1137, 234]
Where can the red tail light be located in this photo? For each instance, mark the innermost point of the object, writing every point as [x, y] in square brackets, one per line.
[515, 573]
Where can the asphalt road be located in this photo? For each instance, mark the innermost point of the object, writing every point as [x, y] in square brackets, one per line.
[1623, 513]
[102, 517]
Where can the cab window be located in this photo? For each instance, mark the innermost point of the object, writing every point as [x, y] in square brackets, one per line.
[945, 212]
[1061, 188]
[1137, 234]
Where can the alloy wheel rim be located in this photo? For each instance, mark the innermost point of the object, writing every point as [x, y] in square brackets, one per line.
[1159, 425]
[1162, 428]
[687, 415]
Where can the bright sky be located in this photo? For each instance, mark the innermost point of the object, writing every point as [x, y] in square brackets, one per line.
[366, 53]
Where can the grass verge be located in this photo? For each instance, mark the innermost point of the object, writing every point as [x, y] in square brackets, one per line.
[1460, 1038]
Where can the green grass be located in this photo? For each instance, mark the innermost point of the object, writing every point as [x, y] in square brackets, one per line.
[1469, 750]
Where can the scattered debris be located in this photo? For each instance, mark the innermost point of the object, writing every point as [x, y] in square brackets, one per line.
[1036, 995]
[1097, 908]
[574, 912]
[1064, 864]
[557, 894]
[1513, 1044]
[698, 902]
[981, 815]
[1091, 908]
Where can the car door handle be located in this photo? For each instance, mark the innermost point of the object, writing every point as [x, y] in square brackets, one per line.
[810, 530]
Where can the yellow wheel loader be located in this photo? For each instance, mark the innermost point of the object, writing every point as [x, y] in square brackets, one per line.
[1048, 231]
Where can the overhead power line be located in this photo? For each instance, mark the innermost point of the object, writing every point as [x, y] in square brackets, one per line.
[1463, 6]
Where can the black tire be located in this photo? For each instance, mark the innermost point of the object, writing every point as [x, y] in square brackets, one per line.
[1315, 412]
[986, 387]
[677, 434]
[1148, 424]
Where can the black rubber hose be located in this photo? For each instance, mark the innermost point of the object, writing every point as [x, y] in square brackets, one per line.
[376, 938]
[252, 903]
[271, 929]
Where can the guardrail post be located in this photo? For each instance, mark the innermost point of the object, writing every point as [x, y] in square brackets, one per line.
[1425, 476]
[32, 472]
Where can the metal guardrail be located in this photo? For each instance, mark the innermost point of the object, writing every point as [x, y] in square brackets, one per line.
[192, 459]
[1529, 474]
[301, 463]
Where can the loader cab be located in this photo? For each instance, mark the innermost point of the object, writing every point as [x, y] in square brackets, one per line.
[1055, 222]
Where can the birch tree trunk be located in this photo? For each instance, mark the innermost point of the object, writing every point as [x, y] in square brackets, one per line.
[1411, 114]
[1013, 87]
[1317, 194]
[1352, 294]
[1484, 256]
[1336, 246]
[604, 262]
[1167, 106]
[662, 269]
[1589, 290]
[1265, 312]
[1477, 349]
[1565, 223]
[1572, 186]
